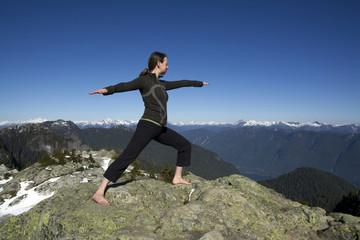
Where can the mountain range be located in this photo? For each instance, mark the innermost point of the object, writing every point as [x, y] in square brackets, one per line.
[264, 153]
[259, 150]
[23, 145]
[211, 125]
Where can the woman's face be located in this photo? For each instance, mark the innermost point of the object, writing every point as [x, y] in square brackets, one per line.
[163, 66]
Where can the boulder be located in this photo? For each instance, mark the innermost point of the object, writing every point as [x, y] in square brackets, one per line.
[3, 169]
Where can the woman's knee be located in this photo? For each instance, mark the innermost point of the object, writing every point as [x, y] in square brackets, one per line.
[185, 146]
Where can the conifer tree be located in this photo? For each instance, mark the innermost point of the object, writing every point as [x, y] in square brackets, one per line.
[73, 155]
[60, 155]
[57, 154]
[152, 170]
[46, 160]
[66, 152]
[7, 176]
[78, 158]
[168, 173]
[91, 159]
[350, 204]
[62, 161]
[135, 171]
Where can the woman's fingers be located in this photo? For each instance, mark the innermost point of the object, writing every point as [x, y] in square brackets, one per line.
[100, 91]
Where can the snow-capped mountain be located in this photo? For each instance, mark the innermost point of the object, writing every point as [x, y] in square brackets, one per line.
[13, 123]
[211, 125]
[107, 123]
[315, 126]
[219, 126]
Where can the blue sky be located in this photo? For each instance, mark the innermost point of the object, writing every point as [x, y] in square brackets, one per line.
[266, 60]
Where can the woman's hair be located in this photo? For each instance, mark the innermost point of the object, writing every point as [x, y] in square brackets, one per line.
[153, 59]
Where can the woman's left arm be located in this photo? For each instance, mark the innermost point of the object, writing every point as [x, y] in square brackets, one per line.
[182, 83]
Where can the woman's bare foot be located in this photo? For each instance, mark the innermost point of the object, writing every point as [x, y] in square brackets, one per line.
[100, 199]
[99, 195]
[178, 177]
[180, 181]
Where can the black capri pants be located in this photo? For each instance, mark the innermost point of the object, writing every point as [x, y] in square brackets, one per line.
[144, 133]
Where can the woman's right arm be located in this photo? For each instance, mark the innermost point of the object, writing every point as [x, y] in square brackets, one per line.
[120, 87]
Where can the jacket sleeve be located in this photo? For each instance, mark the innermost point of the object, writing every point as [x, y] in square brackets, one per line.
[181, 83]
[124, 86]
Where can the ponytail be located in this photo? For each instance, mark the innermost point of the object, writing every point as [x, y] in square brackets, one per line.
[153, 59]
[144, 72]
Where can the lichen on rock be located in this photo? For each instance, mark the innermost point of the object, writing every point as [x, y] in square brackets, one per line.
[232, 207]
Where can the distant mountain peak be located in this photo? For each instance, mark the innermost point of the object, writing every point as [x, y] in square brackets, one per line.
[35, 120]
[109, 123]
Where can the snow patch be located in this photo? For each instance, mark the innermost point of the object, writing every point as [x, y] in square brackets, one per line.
[5, 180]
[129, 169]
[28, 199]
[106, 162]
[192, 190]
[85, 180]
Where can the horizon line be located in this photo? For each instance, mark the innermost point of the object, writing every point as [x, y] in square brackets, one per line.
[250, 122]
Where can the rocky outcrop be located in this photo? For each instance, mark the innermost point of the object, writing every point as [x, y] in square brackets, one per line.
[232, 207]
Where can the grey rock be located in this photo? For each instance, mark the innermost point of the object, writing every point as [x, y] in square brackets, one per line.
[213, 235]
[340, 231]
[41, 177]
[104, 153]
[345, 218]
[60, 170]
[10, 189]
[6, 195]
[18, 199]
[5, 218]
[232, 207]
[3, 169]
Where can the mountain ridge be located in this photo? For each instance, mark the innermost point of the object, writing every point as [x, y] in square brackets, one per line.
[23, 145]
[316, 187]
[181, 126]
[264, 153]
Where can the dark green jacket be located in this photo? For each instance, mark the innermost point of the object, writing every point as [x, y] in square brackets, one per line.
[153, 92]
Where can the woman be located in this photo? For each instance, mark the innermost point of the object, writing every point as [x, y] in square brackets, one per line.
[152, 125]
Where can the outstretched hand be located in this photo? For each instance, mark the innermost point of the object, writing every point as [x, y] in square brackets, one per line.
[100, 91]
[206, 83]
